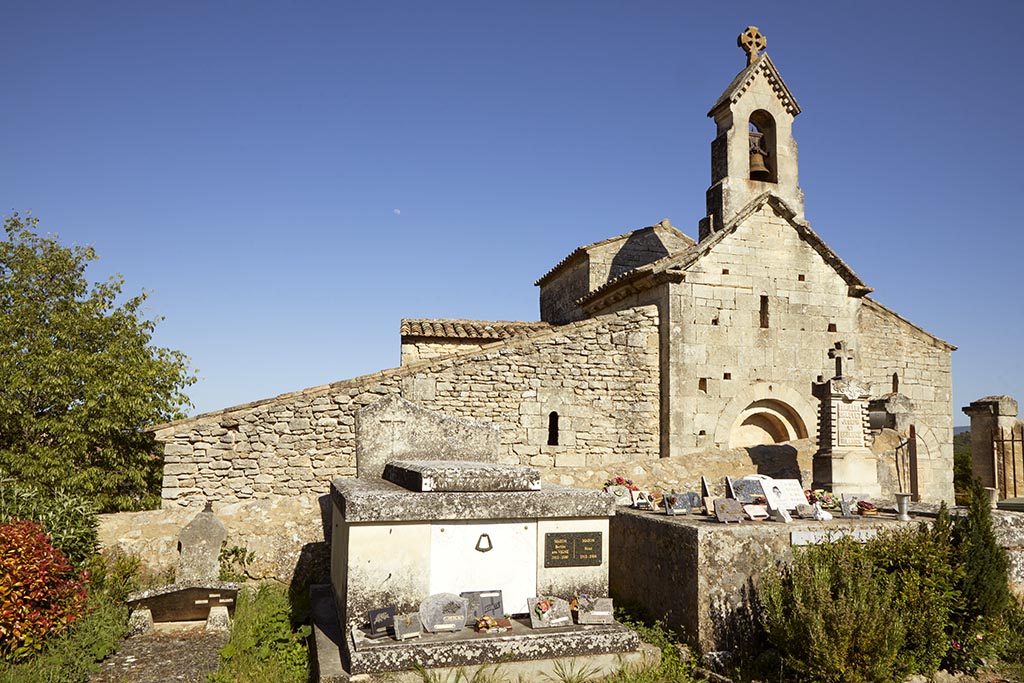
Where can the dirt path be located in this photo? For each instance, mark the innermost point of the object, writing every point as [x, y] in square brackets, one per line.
[180, 654]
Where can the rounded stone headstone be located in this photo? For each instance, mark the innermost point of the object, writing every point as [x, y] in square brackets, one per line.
[444, 612]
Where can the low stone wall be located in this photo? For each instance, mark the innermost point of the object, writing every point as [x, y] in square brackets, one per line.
[285, 534]
[701, 576]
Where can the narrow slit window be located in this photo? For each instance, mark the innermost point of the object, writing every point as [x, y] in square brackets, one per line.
[702, 384]
[553, 428]
[895, 382]
[831, 327]
[764, 311]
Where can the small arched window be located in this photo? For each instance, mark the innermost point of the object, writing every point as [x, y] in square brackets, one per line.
[552, 428]
[895, 382]
[763, 157]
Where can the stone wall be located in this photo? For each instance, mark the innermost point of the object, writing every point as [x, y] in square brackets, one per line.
[419, 350]
[600, 376]
[886, 345]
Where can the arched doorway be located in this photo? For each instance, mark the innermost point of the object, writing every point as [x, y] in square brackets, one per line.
[766, 421]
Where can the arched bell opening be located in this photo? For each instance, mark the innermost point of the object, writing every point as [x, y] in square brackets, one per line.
[763, 157]
[767, 421]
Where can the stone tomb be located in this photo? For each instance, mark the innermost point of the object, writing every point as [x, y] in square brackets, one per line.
[411, 528]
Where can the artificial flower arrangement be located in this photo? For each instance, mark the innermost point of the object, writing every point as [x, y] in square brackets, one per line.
[621, 481]
[866, 508]
[543, 606]
[826, 498]
[488, 624]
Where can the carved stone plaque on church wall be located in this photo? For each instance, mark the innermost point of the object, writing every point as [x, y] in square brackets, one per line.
[849, 424]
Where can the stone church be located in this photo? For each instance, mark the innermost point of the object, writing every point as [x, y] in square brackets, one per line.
[657, 357]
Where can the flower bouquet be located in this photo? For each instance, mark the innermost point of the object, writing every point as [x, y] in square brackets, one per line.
[826, 498]
[621, 481]
[867, 509]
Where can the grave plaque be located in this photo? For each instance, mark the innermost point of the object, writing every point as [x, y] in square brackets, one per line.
[407, 626]
[676, 503]
[788, 492]
[728, 510]
[805, 511]
[573, 549]
[382, 621]
[705, 487]
[756, 512]
[485, 604]
[594, 610]
[849, 424]
[621, 493]
[642, 501]
[748, 489]
[546, 612]
[443, 612]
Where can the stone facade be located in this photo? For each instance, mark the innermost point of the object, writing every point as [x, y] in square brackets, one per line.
[650, 345]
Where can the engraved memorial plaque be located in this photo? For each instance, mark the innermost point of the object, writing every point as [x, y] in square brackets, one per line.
[444, 612]
[594, 610]
[548, 612]
[728, 510]
[747, 489]
[407, 626]
[573, 549]
[484, 604]
[382, 622]
[756, 512]
[676, 503]
[621, 493]
[849, 425]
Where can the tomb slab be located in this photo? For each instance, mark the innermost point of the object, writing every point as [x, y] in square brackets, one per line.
[461, 476]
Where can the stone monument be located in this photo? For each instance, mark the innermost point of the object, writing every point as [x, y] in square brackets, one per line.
[844, 463]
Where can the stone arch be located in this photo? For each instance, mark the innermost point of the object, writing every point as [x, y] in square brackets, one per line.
[766, 410]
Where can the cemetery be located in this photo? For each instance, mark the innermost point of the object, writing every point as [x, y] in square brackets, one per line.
[686, 423]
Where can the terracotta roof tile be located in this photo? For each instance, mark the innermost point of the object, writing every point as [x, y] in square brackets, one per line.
[469, 329]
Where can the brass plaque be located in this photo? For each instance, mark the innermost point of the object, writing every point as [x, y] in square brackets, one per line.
[576, 549]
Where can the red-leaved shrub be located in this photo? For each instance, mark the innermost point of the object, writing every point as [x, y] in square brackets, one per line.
[40, 593]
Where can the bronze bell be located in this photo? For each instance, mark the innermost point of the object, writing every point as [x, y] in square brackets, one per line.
[758, 171]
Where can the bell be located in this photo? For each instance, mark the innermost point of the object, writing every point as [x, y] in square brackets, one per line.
[758, 171]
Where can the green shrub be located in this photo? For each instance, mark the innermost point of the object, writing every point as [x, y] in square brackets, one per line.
[40, 593]
[264, 644]
[68, 519]
[832, 619]
[73, 656]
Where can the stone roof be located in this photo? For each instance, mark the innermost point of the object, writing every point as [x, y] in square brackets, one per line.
[468, 329]
[665, 224]
[744, 78]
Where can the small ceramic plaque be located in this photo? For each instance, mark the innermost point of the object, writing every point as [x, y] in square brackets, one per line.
[642, 501]
[382, 622]
[407, 626]
[805, 511]
[728, 510]
[748, 489]
[594, 610]
[484, 604]
[444, 612]
[676, 503]
[622, 494]
[549, 612]
[756, 512]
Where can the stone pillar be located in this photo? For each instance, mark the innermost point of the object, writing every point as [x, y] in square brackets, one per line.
[988, 415]
[844, 463]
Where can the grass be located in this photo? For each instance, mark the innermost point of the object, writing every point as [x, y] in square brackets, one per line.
[265, 646]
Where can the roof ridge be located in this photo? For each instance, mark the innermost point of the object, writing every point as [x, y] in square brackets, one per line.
[744, 78]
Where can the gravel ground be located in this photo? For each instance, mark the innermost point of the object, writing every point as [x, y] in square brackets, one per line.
[185, 654]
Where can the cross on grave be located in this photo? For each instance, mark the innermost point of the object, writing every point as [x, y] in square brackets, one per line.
[843, 356]
[752, 41]
[391, 422]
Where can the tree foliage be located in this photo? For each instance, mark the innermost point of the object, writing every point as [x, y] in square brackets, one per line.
[81, 378]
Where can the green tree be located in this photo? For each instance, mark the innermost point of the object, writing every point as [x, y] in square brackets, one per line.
[79, 378]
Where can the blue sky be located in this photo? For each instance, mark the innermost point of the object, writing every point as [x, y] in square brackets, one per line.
[289, 180]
